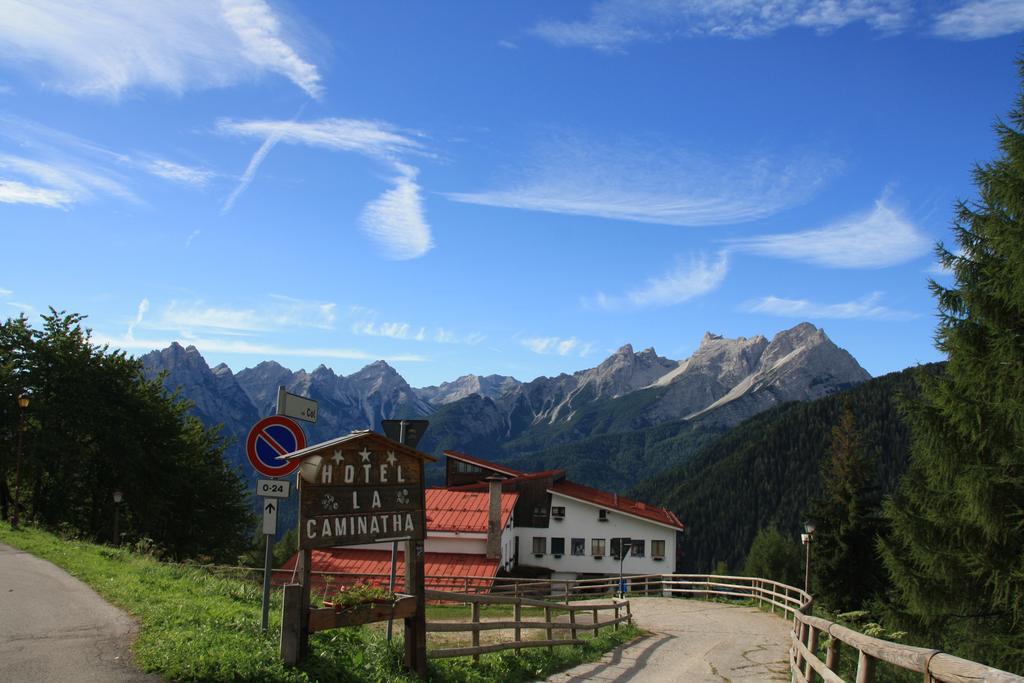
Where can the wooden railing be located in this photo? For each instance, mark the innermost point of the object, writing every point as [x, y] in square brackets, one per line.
[517, 624]
[790, 602]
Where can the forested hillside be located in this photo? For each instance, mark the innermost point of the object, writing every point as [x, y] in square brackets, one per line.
[93, 425]
[765, 471]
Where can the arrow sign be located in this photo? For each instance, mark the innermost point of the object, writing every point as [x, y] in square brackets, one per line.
[270, 517]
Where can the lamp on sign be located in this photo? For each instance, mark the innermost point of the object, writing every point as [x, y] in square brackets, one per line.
[408, 432]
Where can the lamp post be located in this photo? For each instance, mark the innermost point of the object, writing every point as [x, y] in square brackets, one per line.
[625, 545]
[118, 497]
[22, 407]
[807, 538]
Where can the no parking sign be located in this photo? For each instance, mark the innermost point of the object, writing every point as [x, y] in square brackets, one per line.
[268, 440]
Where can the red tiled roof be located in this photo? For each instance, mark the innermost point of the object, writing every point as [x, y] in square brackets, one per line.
[612, 501]
[449, 510]
[486, 464]
[374, 566]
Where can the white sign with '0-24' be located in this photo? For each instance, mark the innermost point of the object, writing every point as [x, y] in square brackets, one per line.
[273, 488]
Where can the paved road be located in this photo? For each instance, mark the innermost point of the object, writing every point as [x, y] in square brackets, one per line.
[694, 642]
[55, 628]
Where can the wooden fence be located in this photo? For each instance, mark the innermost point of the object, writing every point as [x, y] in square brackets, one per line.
[518, 624]
[809, 632]
[805, 664]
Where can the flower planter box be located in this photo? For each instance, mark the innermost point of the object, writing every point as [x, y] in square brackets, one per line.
[332, 616]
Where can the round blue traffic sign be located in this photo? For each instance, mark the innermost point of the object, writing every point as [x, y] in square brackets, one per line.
[269, 439]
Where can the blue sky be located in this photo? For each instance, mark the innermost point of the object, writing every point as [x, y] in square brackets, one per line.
[515, 188]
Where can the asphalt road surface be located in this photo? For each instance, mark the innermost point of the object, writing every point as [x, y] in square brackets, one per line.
[694, 642]
[55, 628]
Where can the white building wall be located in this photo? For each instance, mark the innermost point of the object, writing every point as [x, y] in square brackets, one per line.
[582, 521]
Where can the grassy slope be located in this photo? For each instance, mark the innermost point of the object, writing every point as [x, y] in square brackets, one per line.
[199, 626]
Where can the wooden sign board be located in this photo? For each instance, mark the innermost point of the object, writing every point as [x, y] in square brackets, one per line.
[361, 490]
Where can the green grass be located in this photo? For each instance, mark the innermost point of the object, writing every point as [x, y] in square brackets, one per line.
[197, 625]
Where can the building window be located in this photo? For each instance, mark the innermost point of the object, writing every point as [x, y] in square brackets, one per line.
[658, 550]
[579, 546]
[557, 546]
[616, 547]
[540, 545]
[558, 512]
[597, 547]
[602, 515]
[639, 548]
[466, 468]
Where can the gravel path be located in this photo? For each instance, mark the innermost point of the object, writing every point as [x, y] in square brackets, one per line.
[55, 628]
[694, 641]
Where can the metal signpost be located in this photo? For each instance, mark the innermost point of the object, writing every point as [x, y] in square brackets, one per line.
[406, 432]
[268, 440]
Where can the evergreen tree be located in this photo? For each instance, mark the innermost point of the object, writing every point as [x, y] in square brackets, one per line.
[774, 556]
[956, 556]
[96, 425]
[847, 518]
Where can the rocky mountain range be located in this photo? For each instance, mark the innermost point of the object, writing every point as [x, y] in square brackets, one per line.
[721, 384]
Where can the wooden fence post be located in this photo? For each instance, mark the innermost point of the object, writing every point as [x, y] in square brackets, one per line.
[865, 668]
[291, 619]
[476, 631]
[629, 613]
[596, 628]
[812, 647]
[517, 616]
[832, 654]
[616, 624]
[572, 620]
[550, 631]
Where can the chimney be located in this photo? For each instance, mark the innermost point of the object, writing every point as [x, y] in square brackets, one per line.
[493, 517]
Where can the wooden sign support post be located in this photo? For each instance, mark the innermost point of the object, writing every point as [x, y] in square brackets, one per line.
[416, 625]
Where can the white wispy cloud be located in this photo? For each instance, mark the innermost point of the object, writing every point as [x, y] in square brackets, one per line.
[392, 330]
[371, 138]
[613, 24]
[980, 19]
[64, 182]
[637, 182]
[395, 220]
[103, 49]
[250, 171]
[556, 345]
[240, 346]
[13, 192]
[179, 173]
[867, 307]
[408, 332]
[259, 30]
[6, 292]
[879, 238]
[691, 278]
[140, 313]
[278, 312]
[73, 169]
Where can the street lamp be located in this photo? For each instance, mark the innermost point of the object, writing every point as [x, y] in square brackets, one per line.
[22, 407]
[625, 545]
[118, 497]
[807, 538]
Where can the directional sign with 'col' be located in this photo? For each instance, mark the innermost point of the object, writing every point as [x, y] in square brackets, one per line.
[269, 439]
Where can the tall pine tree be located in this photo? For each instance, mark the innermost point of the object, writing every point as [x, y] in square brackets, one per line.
[956, 555]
